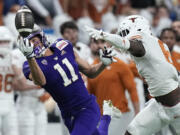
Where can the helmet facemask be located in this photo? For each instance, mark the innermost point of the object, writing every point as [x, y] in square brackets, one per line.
[39, 50]
[131, 25]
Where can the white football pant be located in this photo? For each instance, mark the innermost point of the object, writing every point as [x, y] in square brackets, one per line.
[154, 117]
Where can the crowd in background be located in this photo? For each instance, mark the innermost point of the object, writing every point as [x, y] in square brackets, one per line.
[67, 19]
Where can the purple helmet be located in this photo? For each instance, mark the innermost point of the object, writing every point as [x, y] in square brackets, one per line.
[38, 50]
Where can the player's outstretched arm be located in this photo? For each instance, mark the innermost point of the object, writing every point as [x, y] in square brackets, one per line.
[135, 47]
[90, 71]
[20, 79]
[37, 75]
[27, 49]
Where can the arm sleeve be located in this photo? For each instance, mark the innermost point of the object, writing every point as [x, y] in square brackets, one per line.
[128, 81]
[26, 69]
[38, 7]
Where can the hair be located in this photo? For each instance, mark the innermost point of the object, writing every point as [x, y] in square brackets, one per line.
[168, 29]
[66, 25]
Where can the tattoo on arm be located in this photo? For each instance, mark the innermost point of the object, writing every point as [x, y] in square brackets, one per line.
[136, 48]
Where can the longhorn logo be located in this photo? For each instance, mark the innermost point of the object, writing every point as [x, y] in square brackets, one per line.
[132, 19]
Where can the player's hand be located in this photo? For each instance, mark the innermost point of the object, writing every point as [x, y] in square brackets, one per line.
[25, 47]
[97, 34]
[106, 56]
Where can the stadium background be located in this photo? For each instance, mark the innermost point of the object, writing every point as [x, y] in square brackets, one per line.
[101, 14]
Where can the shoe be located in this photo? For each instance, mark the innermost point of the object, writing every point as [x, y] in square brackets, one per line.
[109, 109]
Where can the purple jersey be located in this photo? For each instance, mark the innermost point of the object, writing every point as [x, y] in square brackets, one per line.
[63, 80]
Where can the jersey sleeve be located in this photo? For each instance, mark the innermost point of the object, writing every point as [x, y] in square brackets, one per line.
[26, 69]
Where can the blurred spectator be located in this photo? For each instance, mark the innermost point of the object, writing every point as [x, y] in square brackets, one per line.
[97, 8]
[112, 84]
[69, 31]
[161, 15]
[10, 8]
[176, 26]
[45, 9]
[75, 8]
[58, 21]
[1, 12]
[173, 6]
[122, 6]
[142, 3]
[112, 24]
[81, 23]
[168, 36]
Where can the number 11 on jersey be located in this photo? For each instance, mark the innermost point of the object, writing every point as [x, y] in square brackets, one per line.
[67, 81]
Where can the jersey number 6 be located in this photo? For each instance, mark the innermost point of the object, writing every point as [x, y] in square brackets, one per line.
[6, 83]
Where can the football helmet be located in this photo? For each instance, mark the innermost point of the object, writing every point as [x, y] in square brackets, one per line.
[39, 50]
[133, 24]
[6, 40]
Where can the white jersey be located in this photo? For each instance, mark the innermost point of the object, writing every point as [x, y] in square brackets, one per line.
[156, 66]
[6, 78]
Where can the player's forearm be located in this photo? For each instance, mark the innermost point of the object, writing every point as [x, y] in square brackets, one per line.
[37, 75]
[95, 70]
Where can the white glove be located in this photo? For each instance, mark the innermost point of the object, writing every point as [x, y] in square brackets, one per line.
[25, 47]
[97, 34]
[106, 56]
[113, 39]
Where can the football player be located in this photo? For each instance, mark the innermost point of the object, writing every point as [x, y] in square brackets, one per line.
[32, 115]
[8, 115]
[154, 64]
[9, 79]
[56, 68]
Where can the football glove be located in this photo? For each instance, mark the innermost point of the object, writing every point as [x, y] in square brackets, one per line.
[26, 47]
[106, 56]
[96, 34]
[115, 40]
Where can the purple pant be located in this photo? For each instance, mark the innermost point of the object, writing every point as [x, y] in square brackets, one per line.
[84, 121]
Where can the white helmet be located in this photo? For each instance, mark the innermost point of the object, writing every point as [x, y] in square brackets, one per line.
[5, 35]
[132, 24]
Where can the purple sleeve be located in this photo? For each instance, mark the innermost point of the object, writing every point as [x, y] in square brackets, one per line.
[26, 69]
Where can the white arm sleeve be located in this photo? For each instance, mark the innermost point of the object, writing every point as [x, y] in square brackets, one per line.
[38, 7]
[117, 41]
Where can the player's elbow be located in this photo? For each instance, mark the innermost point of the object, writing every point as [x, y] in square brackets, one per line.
[136, 48]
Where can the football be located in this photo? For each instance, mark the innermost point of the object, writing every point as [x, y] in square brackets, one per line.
[24, 21]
